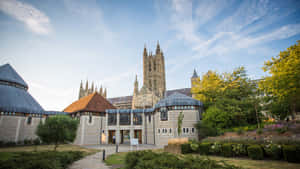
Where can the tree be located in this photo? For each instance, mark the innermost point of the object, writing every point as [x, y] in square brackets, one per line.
[179, 123]
[283, 84]
[57, 130]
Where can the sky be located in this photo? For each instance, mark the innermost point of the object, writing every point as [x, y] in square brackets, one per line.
[54, 44]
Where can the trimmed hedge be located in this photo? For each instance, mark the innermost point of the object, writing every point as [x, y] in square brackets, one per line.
[255, 152]
[291, 153]
[186, 148]
[273, 151]
[227, 150]
[204, 148]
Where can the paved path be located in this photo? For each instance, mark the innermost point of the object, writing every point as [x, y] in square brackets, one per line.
[95, 161]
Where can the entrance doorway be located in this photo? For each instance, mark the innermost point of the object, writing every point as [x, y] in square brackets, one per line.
[112, 137]
[125, 136]
[138, 135]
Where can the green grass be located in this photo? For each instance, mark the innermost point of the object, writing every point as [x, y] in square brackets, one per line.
[116, 159]
[119, 159]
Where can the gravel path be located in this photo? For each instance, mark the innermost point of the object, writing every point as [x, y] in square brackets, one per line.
[95, 161]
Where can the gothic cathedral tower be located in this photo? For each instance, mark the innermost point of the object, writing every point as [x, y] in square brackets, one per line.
[154, 80]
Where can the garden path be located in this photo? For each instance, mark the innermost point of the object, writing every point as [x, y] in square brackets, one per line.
[95, 161]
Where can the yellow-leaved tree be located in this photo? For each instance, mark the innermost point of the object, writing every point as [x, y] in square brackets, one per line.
[284, 82]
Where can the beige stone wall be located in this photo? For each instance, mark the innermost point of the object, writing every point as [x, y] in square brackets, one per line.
[15, 128]
[191, 117]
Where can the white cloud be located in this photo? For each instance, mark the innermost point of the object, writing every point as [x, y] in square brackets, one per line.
[34, 19]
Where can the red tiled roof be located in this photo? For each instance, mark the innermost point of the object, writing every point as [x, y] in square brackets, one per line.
[91, 103]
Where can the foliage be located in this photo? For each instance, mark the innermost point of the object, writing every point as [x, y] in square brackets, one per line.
[205, 130]
[186, 148]
[194, 146]
[179, 123]
[239, 149]
[216, 148]
[282, 129]
[283, 84]
[291, 153]
[273, 151]
[204, 148]
[227, 150]
[255, 152]
[229, 98]
[57, 129]
[152, 160]
[259, 131]
[44, 160]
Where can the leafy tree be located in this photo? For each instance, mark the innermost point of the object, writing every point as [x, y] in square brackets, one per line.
[205, 130]
[283, 84]
[57, 130]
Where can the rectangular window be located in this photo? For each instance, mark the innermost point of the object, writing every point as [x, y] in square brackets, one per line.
[163, 114]
[124, 118]
[112, 119]
[137, 119]
[29, 119]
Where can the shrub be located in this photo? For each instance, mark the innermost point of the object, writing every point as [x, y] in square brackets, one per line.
[205, 130]
[259, 131]
[27, 142]
[36, 141]
[291, 153]
[216, 148]
[227, 150]
[240, 131]
[194, 147]
[281, 130]
[204, 148]
[273, 151]
[10, 144]
[186, 148]
[239, 149]
[255, 152]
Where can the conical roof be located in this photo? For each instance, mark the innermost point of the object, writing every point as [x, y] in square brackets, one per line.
[178, 99]
[14, 98]
[91, 103]
[8, 74]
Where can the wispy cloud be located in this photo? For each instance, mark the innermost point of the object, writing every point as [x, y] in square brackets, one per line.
[234, 32]
[34, 19]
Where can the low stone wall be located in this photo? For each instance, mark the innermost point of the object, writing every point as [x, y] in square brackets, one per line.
[173, 148]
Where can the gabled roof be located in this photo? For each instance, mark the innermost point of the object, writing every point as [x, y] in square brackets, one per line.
[8, 74]
[178, 99]
[91, 103]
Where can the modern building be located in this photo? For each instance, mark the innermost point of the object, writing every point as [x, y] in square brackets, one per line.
[102, 123]
[20, 113]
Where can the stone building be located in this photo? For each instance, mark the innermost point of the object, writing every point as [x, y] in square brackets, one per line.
[89, 90]
[20, 113]
[102, 123]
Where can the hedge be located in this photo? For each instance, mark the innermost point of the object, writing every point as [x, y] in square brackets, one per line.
[255, 152]
[227, 150]
[291, 153]
[204, 148]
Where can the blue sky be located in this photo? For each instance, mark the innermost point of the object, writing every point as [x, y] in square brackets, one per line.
[54, 44]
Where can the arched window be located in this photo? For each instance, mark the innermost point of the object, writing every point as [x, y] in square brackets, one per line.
[150, 67]
[154, 66]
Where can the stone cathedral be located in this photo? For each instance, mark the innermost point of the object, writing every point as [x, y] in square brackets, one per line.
[89, 90]
[154, 80]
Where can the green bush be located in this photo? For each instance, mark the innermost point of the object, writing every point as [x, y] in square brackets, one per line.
[273, 151]
[227, 150]
[281, 130]
[239, 149]
[152, 160]
[291, 153]
[27, 142]
[255, 152]
[204, 148]
[41, 160]
[240, 131]
[186, 148]
[259, 131]
[194, 147]
[215, 149]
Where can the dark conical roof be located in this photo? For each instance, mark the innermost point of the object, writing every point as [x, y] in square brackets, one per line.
[13, 98]
[178, 99]
[8, 74]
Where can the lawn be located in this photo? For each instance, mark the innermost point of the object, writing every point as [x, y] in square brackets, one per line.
[64, 147]
[117, 161]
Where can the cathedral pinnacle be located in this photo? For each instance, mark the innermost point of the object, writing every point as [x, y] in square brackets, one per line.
[157, 48]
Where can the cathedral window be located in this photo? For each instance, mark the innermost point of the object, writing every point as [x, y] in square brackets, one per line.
[154, 66]
[112, 119]
[137, 118]
[154, 84]
[125, 119]
[150, 84]
[149, 66]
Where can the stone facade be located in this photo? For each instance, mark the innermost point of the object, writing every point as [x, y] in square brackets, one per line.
[89, 90]
[154, 80]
